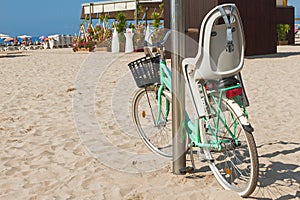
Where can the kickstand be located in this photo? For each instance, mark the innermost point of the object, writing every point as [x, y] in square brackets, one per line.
[189, 169]
[192, 156]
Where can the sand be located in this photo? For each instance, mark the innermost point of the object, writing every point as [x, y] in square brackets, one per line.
[66, 130]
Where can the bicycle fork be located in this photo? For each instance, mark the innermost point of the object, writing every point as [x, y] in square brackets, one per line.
[158, 121]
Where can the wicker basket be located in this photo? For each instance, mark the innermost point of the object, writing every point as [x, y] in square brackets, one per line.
[145, 71]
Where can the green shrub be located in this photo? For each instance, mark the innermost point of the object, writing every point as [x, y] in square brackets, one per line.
[282, 30]
[121, 22]
[155, 16]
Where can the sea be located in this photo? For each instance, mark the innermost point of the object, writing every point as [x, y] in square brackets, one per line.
[297, 24]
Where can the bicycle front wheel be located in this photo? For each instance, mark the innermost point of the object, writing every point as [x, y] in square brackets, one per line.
[155, 133]
[235, 164]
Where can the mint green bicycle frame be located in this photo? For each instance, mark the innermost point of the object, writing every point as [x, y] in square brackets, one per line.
[193, 128]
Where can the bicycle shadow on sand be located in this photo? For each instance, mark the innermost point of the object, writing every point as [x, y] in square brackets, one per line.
[278, 180]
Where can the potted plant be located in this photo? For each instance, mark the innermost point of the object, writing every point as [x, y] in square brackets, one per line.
[104, 42]
[103, 19]
[155, 16]
[138, 38]
[158, 34]
[121, 27]
[91, 40]
[85, 40]
[282, 30]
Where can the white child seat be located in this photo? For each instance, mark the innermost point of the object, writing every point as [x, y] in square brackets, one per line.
[220, 52]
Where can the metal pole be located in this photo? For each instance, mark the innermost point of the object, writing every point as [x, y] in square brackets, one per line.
[136, 12]
[178, 86]
[146, 15]
[91, 4]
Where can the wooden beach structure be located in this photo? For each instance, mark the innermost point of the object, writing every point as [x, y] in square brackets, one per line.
[259, 17]
[128, 7]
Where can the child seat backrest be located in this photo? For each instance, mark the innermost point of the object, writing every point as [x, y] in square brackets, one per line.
[221, 44]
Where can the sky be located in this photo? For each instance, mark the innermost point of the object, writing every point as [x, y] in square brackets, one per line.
[296, 4]
[41, 17]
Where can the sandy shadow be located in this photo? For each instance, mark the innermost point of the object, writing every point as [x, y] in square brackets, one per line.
[275, 177]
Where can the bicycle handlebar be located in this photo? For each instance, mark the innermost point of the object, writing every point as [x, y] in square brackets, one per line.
[160, 43]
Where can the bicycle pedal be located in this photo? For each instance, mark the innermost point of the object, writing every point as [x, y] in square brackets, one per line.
[207, 160]
[186, 170]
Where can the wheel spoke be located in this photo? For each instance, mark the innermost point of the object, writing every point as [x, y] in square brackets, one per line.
[234, 166]
[156, 135]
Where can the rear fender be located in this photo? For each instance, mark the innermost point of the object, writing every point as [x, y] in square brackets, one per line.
[240, 114]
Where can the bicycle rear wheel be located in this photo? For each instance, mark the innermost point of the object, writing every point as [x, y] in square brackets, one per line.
[157, 136]
[235, 165]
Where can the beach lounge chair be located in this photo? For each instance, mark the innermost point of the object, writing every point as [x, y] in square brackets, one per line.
[45, 44]
[64, 41]
[60, 41]
[69, 40]
[51, 43]
[54, 43]
[9, 48]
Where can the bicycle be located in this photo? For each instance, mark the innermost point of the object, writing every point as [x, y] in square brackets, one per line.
[220, 132]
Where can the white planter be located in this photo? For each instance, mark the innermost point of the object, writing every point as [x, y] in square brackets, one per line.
[148, 39]
[115, 42]
[129, 41]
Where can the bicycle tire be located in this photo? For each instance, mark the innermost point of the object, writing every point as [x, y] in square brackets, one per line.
[158, 138]
[235, 168]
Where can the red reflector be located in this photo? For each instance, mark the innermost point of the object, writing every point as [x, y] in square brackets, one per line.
[209, 86]
[234, 92]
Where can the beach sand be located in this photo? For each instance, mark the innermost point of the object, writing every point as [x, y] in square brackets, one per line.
[66, 130]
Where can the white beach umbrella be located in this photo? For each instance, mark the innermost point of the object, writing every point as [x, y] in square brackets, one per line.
[24, 36]
[4, 35]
